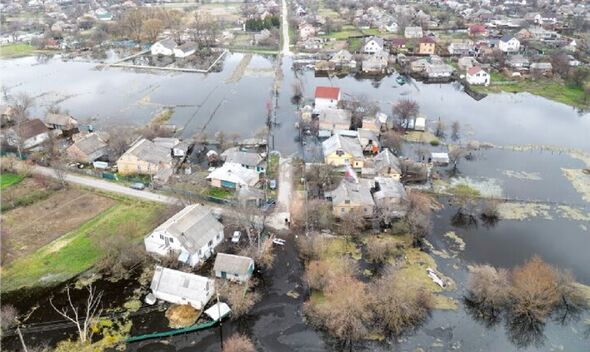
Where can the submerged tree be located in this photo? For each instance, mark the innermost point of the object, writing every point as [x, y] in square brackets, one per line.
[405, 109]
[81, 316]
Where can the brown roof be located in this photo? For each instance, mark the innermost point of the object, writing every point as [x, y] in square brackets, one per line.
[327, 92]
[32, 128]
[473, 70]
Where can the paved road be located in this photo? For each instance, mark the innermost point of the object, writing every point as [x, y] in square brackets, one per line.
[106, 186]
[282, 210]
[284, 14]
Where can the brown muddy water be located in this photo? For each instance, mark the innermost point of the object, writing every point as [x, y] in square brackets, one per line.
[212, 103]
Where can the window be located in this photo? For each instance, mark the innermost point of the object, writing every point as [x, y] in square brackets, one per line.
[347, 201]
[161, 237]
[171, 239]
[210, 243]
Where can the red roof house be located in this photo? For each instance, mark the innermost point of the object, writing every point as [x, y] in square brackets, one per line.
[327, 93]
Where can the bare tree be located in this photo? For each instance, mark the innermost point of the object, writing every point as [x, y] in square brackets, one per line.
[250, 218]
[393, 140]
[489, 290]
[352, 223]
[455, 129]
[441, 126]
[132, 22]
[22, 103]
[418, 215]
[151, 28]
[457, 153]
[83, 317]
[405, 109]
[239, 297]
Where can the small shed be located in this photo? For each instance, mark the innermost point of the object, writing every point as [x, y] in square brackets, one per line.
[233, 267]
[440, 159]
[182, 288]
[420, 124]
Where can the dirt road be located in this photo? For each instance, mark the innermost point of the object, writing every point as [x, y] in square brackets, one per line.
[282, 210]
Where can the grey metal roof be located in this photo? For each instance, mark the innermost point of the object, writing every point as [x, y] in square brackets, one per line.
[90, 144]
[385, 160]
[231, 263]
[346, 144]
[148, 151]
[193, 226]
[233, 155]
[358, 193]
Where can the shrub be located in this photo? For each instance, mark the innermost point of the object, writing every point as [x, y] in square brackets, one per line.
[238, 343]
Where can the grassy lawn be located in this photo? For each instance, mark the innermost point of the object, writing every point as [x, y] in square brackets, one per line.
[354, 44]
[15, 50]
[547, 88]
[220, 193]
[345, 33]
[8, 179]
[77, 251]
[273, 166]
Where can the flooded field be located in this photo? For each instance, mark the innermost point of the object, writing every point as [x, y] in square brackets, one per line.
[235, 100]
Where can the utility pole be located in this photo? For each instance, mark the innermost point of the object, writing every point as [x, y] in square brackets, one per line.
[219, 317]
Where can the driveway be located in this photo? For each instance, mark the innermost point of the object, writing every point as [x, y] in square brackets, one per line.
[281, 212]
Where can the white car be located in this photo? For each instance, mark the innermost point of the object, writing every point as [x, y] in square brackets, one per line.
[236, 237]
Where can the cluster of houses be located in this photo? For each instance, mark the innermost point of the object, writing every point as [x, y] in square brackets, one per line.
[359, 152]
[191, 236]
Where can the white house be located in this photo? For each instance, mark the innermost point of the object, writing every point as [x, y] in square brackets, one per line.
[233, 176]
[373, 45]
[184, 50]
[182, 288]
[326, 97]
[192, 234]
[233, 267]
[476, 75]
[164, 47]
[509, 44]
[413, 32]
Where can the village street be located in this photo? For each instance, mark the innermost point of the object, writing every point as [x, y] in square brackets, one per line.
[285, 24]
[277, 219]
[105, 186]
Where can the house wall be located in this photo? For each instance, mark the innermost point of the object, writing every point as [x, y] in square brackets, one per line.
[183, 54]
[341, 160]
[322, 103]
[427, 48]
[130, 165]
[326, 125]
[343, 209]
[198, 304]
[35, 140]
[154, 243]
[510, 46]
[158, 49]
[237, 277]
[479, 78]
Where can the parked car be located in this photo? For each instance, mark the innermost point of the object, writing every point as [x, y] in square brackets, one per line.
[236, 237]
[138, 186]
[268, 206]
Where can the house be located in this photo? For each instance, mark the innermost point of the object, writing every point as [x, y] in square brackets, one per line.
[390, 196]
[413, 32]
[326, 97]
[233, 267]
[478, 30]
[385, 121]
[185, 50]
[29, 134]
[546, 18]
[163, 47]
[343, 58]
[418, 65]
[340, 150]
[261, 36]
[144, 158]
[179, 148]
[334, 119]
[419, 124]
[178, 287]
[518, 62]
[87, 149]
[63, 122]
[466, 62]
[306, 30]
[462, 48]
[439, 70]
[251, 196]
[191, 235]
[427, 46]
[398, 44]
[476, 75]
[392, 27]
[233, 176]
[373, 45]
[384, 164]
[369, 140]
[352, 197]
[252, 161]
[374, 64]
[509, 44]
[543, 68]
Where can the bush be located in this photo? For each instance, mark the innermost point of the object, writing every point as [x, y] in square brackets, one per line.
[238, 343]
[239, 298]
[8, 317]
[435, 142]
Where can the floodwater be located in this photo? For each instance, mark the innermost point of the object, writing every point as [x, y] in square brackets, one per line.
[207, 102]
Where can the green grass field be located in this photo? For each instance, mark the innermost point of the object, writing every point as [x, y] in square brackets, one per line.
[78, 251]
[220, 193]
[547, 88]
[8, 179]
[15, 50]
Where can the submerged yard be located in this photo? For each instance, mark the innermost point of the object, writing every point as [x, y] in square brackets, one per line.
[64, 236]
